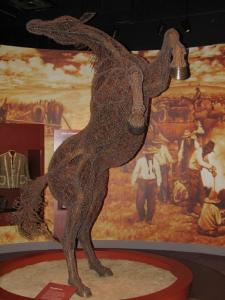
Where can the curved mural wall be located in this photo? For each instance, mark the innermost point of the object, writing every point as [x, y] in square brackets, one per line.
[174, 190]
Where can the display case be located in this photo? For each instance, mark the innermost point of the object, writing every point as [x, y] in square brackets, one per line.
[21, 158]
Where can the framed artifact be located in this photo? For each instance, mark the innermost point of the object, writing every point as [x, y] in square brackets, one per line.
[21, 159]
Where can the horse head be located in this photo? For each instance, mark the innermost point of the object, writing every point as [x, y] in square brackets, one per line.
[59, 29]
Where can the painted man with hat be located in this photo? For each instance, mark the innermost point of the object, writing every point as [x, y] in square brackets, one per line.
[147, 175]
[198, 161]
[190, 141]
[165, 160]
[185, 150]
[211, 222]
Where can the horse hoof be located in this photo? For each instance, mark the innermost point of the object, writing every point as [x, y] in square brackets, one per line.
[102, 270]
[81, 289]
[84, 292]
[105, 272]
[108, 272]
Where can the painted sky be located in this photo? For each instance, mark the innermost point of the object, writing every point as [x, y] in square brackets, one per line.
[28, 75]
[35, 69]
[47, 69]
[206, 65]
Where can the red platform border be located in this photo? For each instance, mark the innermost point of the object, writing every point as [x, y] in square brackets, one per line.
[179, 290]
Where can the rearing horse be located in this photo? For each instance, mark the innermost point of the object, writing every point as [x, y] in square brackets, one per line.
[77, 177]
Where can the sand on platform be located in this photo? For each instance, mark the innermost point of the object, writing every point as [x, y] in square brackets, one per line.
[131, 279]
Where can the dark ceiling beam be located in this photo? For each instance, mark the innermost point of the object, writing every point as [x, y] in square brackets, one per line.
[135, 22]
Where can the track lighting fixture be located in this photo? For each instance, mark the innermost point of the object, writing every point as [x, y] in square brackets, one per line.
[186, 25]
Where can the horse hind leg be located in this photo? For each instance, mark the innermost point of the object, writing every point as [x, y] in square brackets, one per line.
[85, 231]
[73, 223]
[94, 262]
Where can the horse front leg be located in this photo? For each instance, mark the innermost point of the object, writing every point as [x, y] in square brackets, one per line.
[73, 224]
[178, 67]
[136, 120]
[84, 236]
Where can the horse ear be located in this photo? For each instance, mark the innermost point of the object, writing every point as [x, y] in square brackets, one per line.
[87, 16]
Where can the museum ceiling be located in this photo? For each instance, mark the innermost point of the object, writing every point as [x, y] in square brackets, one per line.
[138, 24]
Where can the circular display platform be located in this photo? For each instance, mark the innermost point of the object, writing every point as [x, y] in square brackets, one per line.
[178, 289]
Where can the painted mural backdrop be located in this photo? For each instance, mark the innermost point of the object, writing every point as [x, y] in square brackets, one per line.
[174, 189]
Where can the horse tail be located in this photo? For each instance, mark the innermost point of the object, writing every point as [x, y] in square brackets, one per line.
[28, 216]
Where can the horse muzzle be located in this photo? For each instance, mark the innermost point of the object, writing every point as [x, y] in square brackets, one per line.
[136, 121]
[137, 130]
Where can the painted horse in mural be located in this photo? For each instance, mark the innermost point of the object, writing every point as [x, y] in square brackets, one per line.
[77, 177]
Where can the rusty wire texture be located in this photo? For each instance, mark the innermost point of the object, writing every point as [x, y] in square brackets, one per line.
[77, 177]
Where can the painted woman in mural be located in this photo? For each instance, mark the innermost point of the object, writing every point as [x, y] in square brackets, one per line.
[78, 172]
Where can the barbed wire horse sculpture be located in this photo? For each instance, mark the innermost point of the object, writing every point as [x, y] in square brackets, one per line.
[77, 177]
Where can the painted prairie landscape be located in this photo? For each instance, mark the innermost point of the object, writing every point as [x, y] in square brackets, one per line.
[54, 88]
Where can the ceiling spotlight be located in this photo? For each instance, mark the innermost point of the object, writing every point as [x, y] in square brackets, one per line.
[186, 25]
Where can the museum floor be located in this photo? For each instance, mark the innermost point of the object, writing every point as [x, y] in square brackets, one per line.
[208, 272]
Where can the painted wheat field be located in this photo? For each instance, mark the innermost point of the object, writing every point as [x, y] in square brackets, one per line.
[118, 219]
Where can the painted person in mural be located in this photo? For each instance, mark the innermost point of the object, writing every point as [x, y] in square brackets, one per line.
[198, 161]
[186, 148]
[197, 98]
[166, 161]
[147, 175]
[212, 218]
[38, 112]
[189, 142]
[180, 193]
[54, 112]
